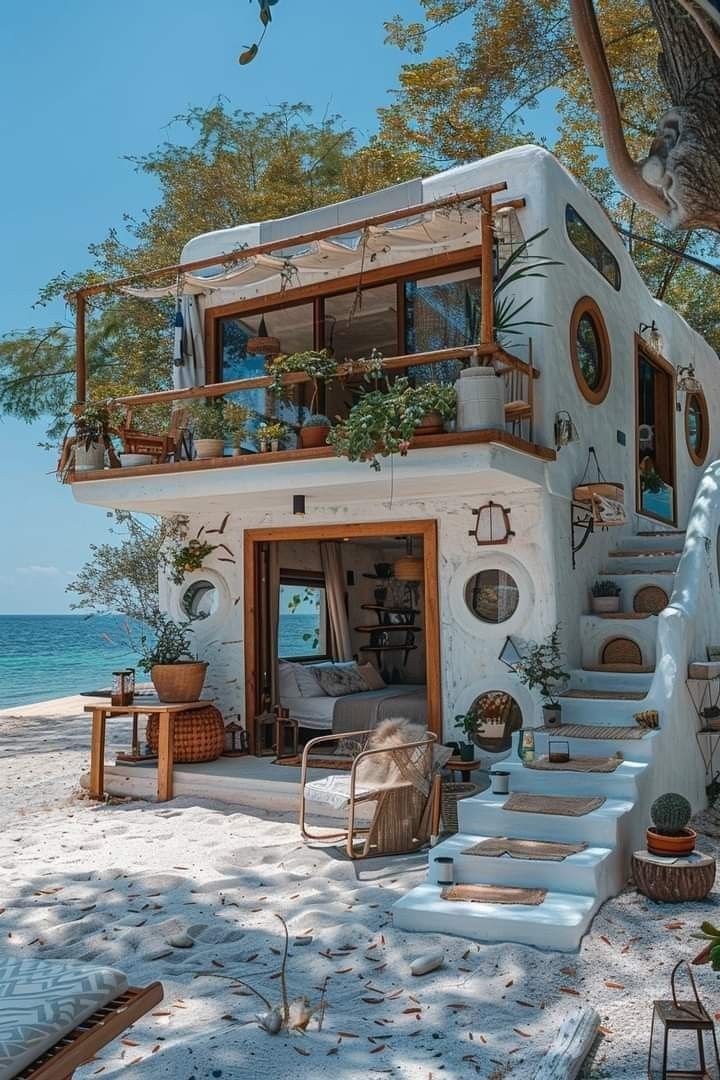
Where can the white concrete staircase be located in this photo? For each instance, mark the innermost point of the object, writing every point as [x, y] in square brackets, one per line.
[598, 697]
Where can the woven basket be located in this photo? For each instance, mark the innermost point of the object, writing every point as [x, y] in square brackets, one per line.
[651, 599]
[451, 794]
[199, 735]
[622, 651]
[179, 682]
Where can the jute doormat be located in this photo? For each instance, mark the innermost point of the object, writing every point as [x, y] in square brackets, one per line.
[524, 849]
[576, 764]
[565, 805]
[494, 894]
[594, 731]
[339, 764]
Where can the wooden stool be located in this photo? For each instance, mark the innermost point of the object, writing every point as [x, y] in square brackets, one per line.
[285, 725]
[672, 881]
[462, 768]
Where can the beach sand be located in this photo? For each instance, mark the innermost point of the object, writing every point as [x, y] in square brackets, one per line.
[114, 882]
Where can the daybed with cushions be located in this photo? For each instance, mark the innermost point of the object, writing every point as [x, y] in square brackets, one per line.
[344, 697]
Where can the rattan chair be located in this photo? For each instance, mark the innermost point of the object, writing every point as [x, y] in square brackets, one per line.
[400, 820]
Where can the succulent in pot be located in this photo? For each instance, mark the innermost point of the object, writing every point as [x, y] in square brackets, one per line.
[467, 722]
[314, 431]
[605, 597]
[175, 675]
[209, 428]
[669, 833]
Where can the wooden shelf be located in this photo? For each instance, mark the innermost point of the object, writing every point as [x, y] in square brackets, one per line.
[383, 627]
[387, 648]
[391, 610]
[376, 577]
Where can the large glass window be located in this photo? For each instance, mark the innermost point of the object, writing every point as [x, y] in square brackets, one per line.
[439, 313]
[591, 247]
[302, 617]
[358, 322]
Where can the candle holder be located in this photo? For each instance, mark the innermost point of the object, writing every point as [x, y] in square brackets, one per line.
[500, 782]
[526, 745]
[558, 751]
[123, 686]
[445, 870]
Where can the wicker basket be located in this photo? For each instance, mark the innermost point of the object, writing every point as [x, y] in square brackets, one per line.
[650, 599]
[622, 651]
[179, 682]
[451, 794]
[199, 735]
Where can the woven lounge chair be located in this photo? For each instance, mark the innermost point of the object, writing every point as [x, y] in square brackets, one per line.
[55, 1015]
[400, 807]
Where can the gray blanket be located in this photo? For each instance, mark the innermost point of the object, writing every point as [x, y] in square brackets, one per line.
[359, 712]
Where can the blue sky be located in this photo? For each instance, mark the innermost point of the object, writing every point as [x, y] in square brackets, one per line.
[85, 84]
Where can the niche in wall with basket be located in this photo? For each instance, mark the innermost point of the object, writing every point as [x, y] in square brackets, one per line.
[621, 650]
[650, 600]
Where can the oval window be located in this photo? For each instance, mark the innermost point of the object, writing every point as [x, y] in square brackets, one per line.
[498, 716]
[697, 428]
[492, 596]
[590, 350]
[200, 600]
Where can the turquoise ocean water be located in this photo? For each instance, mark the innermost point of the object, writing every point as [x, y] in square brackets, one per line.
[51, 656]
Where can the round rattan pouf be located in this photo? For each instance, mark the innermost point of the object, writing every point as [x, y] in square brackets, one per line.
[199, 735]
[673, 881]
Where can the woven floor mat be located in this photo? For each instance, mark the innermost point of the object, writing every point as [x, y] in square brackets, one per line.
[565, 805]
[576, 764]
[542, 850]
[339, 764]
[594, 731]
[494, 894]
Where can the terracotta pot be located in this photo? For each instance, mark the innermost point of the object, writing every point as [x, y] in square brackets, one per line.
[431, 424]
[314, 435]
[604, 604]
[683, 844]
[210, 448]
[179, 682]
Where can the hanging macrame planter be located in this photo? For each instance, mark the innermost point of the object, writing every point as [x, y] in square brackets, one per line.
[605, 499]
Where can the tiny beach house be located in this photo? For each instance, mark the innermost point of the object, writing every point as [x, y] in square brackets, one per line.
[563, 431]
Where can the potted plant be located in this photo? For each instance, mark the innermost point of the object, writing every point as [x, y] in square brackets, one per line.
[167, 657]
[188, 558]
[314, 430]
[669, 833]
[467, 722]
[236, 418]
[541, 668]
[92, 436]
[209, 428]
[605, 597]
[270, 432]
[384, 422]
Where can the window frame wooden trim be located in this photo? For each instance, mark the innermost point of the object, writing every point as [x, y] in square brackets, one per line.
[698, 457]
[312, 579]
[587, 306]
[447, 262]
[641, 346]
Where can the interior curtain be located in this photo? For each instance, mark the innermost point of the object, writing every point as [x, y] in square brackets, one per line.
[191, 372]
[273, 587]
[331, 561]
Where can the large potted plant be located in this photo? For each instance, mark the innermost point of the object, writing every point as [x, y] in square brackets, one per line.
[541, 668]
[320, 367]
[605, 597]
[669, 833]
[384, 422]
[166, 656]
[92, 436]
[209, 428]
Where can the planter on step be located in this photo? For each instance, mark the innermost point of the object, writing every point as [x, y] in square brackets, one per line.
[552, 715]
[602, 605]
[480, 399]
[672, 846]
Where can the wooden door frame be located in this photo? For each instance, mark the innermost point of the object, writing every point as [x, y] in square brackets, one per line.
[641, 346]
[425, 528]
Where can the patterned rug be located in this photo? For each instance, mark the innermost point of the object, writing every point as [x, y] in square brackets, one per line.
[544, 850]
[576, 764]
[565, 805]
[494, 894]
[594, 731]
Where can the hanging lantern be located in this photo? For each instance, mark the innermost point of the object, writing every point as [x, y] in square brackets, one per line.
[410, 567]
[262, 344]
[697, 1037]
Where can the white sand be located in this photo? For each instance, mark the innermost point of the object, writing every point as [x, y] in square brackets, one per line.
[112, 882]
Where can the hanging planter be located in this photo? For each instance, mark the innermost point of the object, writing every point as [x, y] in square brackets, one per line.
[605, 499]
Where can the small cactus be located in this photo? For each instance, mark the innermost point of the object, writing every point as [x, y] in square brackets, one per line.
[670, 814]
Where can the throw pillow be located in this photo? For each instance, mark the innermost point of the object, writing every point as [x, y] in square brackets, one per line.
[372, 676]
[307, 681]
[340, 681]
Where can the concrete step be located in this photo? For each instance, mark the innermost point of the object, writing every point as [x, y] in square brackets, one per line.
[559, 923]
[594, 871]
[634, 559]
[596, 632]
[621, 669]
[579, 710]
[620, 784]
[631, 582]
[635, 749]
[634, 682]
[656, 541]
[483, 815]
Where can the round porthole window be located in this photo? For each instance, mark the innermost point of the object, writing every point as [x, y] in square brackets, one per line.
[697, 427]
[498, 716]
[492, 596]
[200, 600]
[590, 350]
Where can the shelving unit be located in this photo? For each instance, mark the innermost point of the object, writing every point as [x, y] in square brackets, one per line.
[409, 629]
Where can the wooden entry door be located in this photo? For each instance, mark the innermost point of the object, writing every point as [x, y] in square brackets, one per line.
[655, 389]
[255, 542]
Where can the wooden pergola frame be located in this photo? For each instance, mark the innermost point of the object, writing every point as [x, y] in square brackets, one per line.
[481, 195]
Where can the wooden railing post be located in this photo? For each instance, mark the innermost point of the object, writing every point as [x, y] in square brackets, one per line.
[487, 320]
[80, 358]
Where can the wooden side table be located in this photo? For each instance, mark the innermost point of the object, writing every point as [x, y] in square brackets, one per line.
[463, 768]
[673, 881]
[165, 713]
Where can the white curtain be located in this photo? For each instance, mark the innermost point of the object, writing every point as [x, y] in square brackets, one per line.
[331, 561]
[192, 370]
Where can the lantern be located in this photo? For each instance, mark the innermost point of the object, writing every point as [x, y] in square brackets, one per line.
[262, 344]
[123, 685]
[699, 1045]
[235, 740]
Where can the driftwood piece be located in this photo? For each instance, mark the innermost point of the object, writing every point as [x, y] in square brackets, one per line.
[570, 1046]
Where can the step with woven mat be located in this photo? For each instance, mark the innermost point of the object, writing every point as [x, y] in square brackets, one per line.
[594, 731]
[494, 894]
[576, 764]
[536, 850]
[565, 805]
